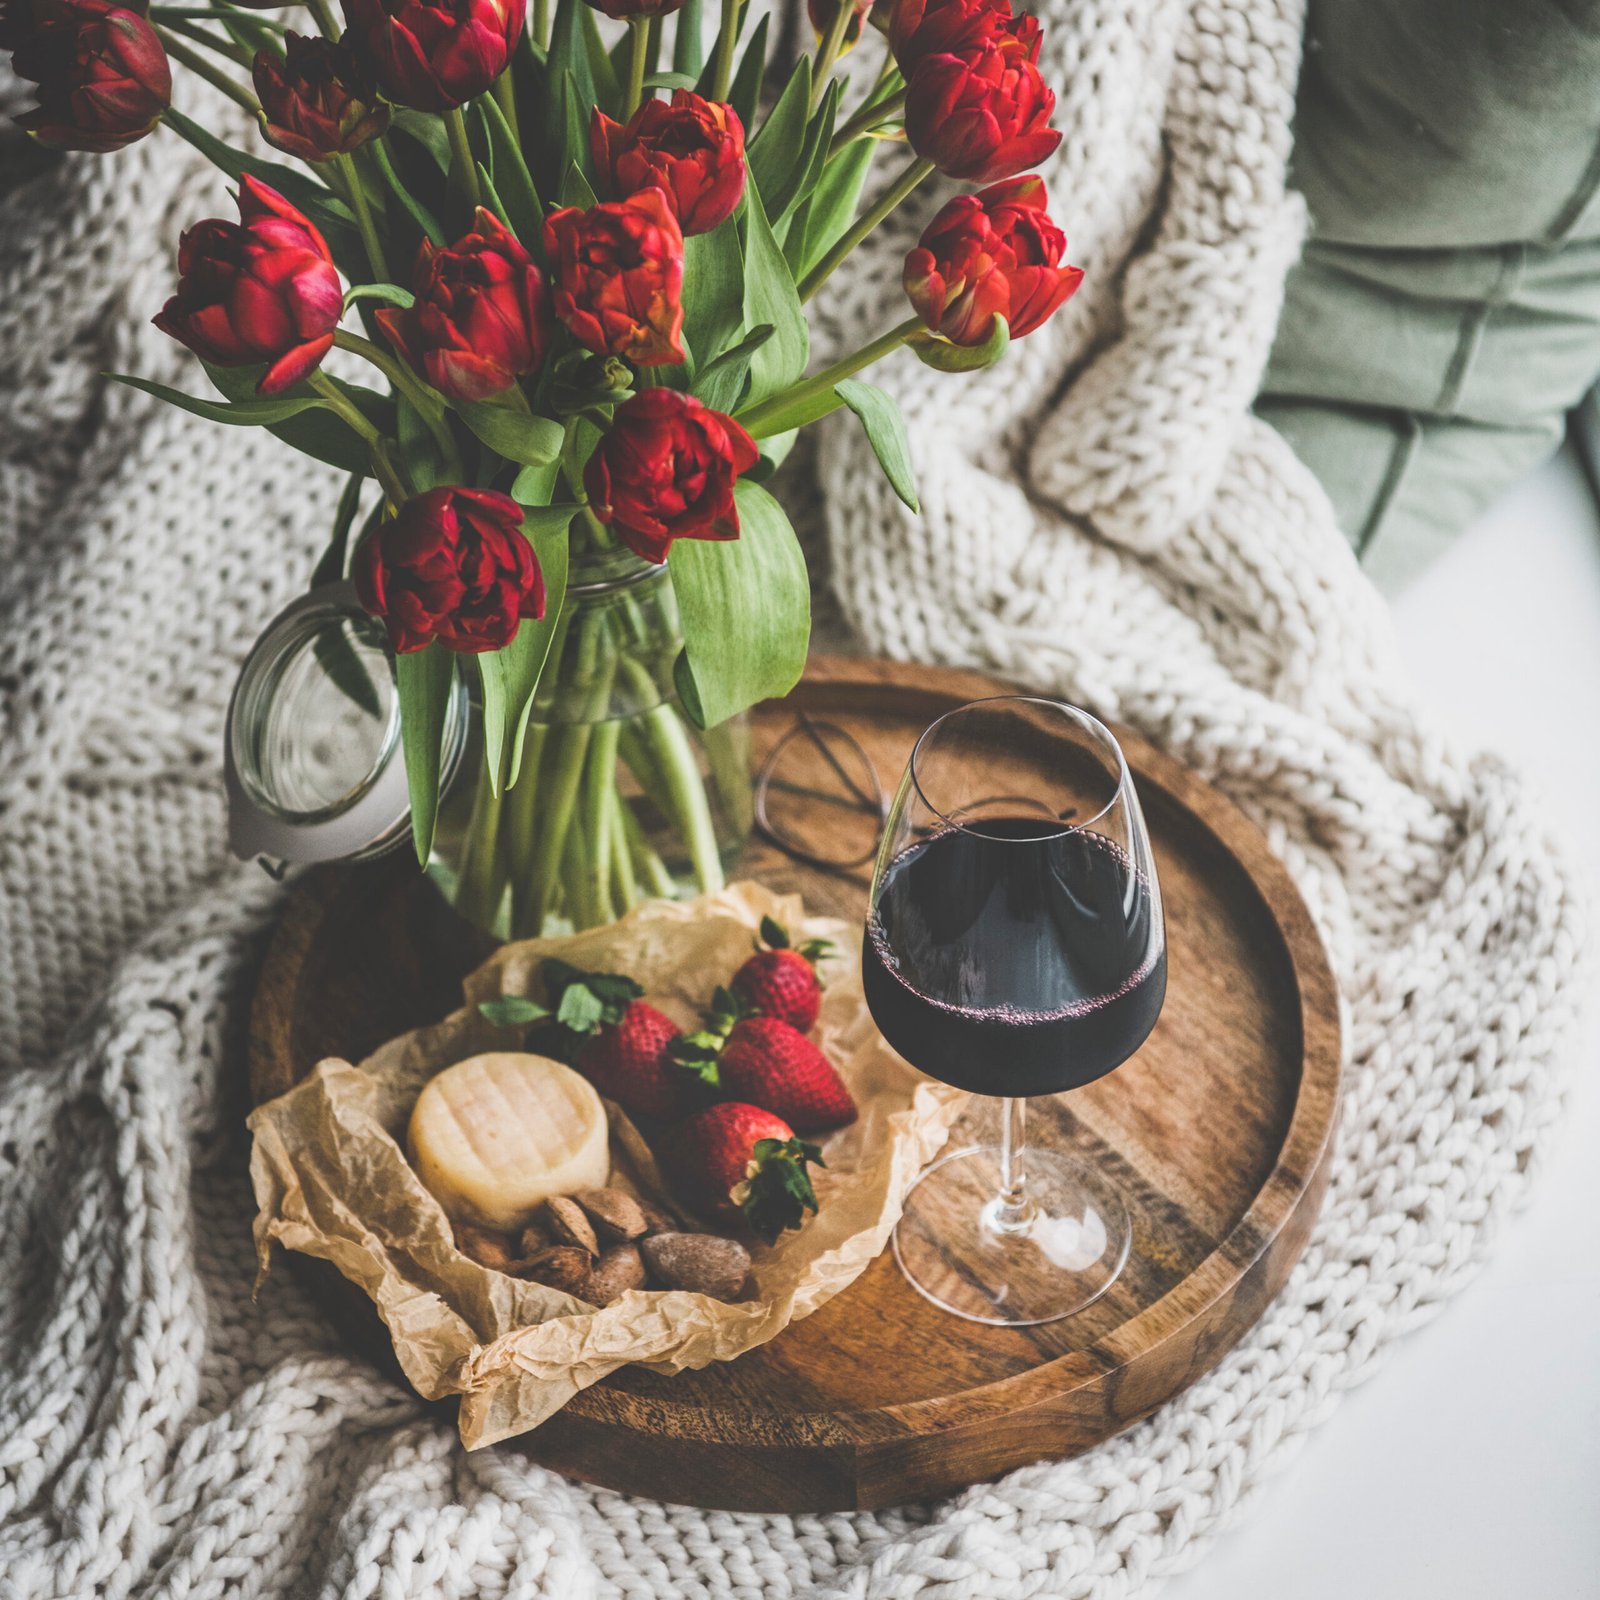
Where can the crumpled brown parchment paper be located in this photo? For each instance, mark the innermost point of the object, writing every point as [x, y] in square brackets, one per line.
[331, 1178]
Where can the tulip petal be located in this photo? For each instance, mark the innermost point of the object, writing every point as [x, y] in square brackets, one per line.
[294, 365]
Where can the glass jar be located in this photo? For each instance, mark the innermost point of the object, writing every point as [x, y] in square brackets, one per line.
[617, 796]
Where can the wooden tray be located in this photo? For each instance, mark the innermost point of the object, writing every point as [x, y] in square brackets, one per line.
[1219, 1133]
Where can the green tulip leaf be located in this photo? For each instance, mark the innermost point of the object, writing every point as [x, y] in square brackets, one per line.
[427, 129]
[237, 413]
[607, 84]
[746, 610]
[490, 196]
[770, 296]
[721, 383]
[576, 149]
[576, 190]
[535, 485]
[510, 676]
[744, 95]
[422, 682]
[331, 564]
[886, 432]
[390, 293]
[512, 180]
[688, 47]
[774, 452]
[322, 436]
[832, 206]
[671, 80]
[777, 151]
[808, 169]
[943, 356]
[414, 208]
[713, 291]
[567, 63]
[517, 435]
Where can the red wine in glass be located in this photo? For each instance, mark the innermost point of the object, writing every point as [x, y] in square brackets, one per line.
[1015, 947]
[1011, 961]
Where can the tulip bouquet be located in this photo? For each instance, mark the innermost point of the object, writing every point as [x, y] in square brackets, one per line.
[573, 254]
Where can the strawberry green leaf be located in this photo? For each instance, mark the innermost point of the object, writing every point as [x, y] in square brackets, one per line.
[780, 1193]
[773, 934]
[512, 1011]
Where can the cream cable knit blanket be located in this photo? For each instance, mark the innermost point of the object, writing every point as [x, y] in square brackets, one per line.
[1103, 518]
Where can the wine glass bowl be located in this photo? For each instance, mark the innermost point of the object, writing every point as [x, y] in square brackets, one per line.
[1014, 947]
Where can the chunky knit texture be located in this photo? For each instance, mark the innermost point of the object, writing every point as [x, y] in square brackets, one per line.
[1102, 518]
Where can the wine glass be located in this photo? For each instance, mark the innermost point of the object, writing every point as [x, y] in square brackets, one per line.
[1015, 947]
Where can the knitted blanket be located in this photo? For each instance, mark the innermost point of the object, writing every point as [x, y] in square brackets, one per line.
[1103, 518]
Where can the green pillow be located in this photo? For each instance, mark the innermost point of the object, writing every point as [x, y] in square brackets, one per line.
[1446, 313]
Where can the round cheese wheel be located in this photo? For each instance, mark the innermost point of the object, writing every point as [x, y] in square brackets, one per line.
[494, 1136]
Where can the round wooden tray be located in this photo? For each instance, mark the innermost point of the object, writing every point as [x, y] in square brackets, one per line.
[1218, 1132]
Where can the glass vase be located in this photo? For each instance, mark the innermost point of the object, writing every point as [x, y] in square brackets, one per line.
[618, 796]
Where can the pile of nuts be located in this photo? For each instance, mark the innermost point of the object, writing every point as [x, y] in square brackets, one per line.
[599, 1243]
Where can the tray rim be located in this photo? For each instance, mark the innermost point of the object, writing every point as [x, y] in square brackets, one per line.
[1292, 1189]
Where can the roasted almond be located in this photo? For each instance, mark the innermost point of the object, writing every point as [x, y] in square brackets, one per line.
[564, 1267]
[486, 1246]
[568, 1225]
[658, 1221]
[703, 1263]
[620, 1269]
[615, 1214]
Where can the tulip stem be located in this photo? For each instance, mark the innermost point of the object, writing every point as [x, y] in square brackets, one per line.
[463, 169]
[638, 53]
[863, 225]
[213, 75]
[505, 95]
[768, 418]
[422, 399]
[322, 15]
[727, 39]
[221, 47]
[363, 211]
[343, 407]
[867, 119]
[829, 49]
[541, 23]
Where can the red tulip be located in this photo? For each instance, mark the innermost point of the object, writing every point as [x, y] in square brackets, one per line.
[665, 470]
[260, 289]
[984, 115]
[994, 251]
[481, 317]
[921, 28]
[618, 270]
[453, 565]
[822, 13]
[692, 151]
[434, 55]
[317, 100]
[621, 10]
[102, 73]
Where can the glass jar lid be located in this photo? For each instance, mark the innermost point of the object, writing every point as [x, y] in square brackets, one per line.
[314, 766]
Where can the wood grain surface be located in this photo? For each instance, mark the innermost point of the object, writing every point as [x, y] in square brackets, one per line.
[1218, 1132]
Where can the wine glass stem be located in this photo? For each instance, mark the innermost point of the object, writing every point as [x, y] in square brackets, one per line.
[1010, 1210]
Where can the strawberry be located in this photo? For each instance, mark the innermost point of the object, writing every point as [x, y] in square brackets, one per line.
[768, 1063]
[738, 1162]
[619, 1043]
[780, 980]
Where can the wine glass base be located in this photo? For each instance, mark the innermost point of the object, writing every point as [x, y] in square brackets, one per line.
[956, 1249]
